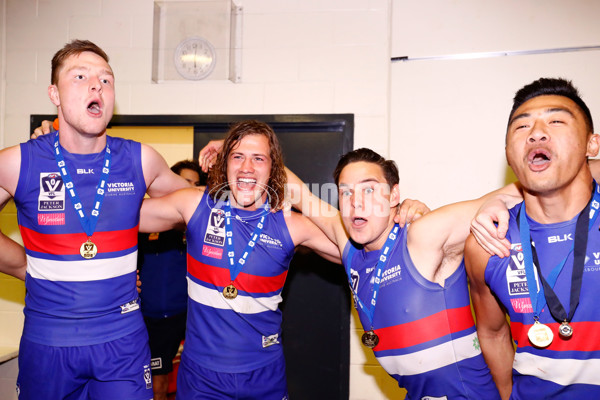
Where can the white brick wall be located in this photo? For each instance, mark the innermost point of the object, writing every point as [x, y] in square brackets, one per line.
[298, 57]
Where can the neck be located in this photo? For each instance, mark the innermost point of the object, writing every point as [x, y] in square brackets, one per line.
[250, 207]
[378, 243]
[559, 205]
[80, 143]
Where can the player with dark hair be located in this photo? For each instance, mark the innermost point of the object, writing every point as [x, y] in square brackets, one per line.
[549, 284]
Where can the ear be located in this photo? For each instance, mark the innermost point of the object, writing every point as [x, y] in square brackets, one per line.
[593, 145]
[395, 196]
[53, 94]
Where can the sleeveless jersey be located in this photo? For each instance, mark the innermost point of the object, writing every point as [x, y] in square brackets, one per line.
[70, 300]
[243, 333]
[427, 336]
[566, 368]
[162, 265]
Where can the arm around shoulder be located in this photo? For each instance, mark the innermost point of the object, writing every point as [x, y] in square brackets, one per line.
[492, 327]
[305, 233]
[160, 180]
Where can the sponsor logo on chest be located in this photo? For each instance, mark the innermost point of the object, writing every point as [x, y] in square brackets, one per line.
[120, 188]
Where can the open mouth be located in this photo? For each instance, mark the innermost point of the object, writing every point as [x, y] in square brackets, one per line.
[539, 158]
[358, 221]
[94, 108]
[246, 183]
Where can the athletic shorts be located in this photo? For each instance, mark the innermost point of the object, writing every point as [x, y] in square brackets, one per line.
[119, 369]
[265, 383]
[165, 335]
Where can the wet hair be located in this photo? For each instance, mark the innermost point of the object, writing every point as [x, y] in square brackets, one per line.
[73, 48]
[191, 165]
[551, 87]
[217, 177]
[389, 167]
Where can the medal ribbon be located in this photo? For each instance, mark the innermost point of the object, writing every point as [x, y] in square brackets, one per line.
[236, 268]
[546, 294]
[381, 263]
[88, 223]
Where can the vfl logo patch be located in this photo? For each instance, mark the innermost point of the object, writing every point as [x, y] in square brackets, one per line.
[270, 340]
[52, 192]
[129, 307]
[213, 252]
[147, 377]
[434, 398]
[515, 274]
[51, 219]
[156, 363]
[215, 229]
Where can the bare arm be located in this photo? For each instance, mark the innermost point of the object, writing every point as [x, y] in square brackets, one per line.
[326, 217]
[305, 233]
[12, 255]
[160, 180]
[436, 241]
[168, 212]
[492, 327]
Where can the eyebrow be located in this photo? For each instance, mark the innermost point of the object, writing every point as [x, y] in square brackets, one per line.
[83, 67]
[252, 154]
[546, 111]
[367, 180]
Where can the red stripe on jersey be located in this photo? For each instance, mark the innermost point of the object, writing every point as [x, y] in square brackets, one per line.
[425, 329]
[69, 243]
[245, 282]
[586, 336]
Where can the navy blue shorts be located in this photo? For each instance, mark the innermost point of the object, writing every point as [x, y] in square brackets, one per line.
[265, 383]
[165, 335]
[119, 369]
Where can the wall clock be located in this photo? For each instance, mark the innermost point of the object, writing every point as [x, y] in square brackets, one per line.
[195, 58]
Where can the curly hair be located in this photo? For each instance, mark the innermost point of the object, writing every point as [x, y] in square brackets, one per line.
[217, 177]
[73, 48]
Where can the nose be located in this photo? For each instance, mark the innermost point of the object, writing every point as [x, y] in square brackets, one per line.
[247, 164]
[95, 85]
[356, 200]
[538, 133]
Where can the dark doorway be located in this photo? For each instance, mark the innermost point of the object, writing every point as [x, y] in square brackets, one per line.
[316, 306]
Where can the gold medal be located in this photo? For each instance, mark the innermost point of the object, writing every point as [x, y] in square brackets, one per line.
[88, 249]
[370, 339]
[230, 292]
[540, 335]
[565, 330]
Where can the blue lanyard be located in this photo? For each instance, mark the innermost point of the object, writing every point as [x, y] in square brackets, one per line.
[236, 268]
[381, 264]
[88, 223]
[544, 293]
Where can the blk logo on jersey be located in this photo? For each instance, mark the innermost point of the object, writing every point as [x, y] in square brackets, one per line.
[215, 229]
[52, 192]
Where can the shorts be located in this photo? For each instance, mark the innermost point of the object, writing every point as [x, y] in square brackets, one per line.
[119, 369]
[165, 336]
[265, 383]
